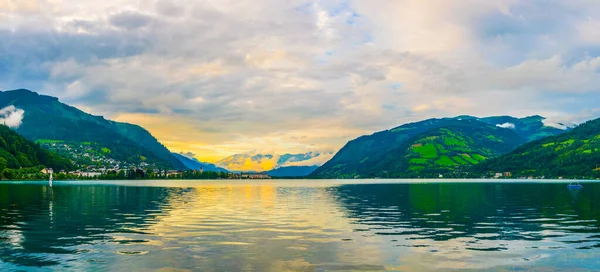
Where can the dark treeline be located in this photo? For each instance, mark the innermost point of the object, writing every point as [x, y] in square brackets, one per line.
[139, 174]
[20, 156]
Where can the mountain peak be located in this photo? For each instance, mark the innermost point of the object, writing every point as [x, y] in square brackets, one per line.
[21, 91]
[26, 94]
[465, 117]
[534, 117]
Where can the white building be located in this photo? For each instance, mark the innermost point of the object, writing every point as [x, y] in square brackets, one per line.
[90, 174]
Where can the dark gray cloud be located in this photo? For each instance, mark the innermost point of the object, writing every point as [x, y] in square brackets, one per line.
[169, 8]
[129, 20]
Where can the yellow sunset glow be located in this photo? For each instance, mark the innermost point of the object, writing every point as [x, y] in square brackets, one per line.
[182, 135]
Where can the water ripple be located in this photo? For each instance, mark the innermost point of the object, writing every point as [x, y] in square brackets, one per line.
[291, 226]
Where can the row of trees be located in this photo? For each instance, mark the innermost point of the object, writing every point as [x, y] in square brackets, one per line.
[34, 173]
[31, 173]
[139, 174]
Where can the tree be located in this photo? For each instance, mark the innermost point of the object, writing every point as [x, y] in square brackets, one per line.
[8, 173]
[3, 164]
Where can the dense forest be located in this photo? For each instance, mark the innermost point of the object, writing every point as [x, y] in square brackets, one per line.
[20, 156]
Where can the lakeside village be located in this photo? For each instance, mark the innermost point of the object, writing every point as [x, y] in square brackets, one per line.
[506, 175]
[95, 163]
[140, 173]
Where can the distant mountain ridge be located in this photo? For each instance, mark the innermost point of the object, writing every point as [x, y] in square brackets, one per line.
[46, 118]
[195, 164]
[291, 171]
[433, 146]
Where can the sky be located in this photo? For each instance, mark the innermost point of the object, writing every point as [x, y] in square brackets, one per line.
[224, 77]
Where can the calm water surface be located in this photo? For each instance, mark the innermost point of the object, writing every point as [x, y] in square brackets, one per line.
[298, 225]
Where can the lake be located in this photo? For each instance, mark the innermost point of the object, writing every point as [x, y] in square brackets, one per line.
[298, 225]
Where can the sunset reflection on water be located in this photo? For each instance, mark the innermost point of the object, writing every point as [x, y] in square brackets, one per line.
[297, 226]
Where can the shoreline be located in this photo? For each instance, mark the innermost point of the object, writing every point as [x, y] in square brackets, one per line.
[325, 181]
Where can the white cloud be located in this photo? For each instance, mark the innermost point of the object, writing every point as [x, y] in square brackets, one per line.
[318, 160]
[555, 125]
[11, 116]
[264, 162]
[506, 125]
[189, 155]
[571, 120]
[588, 31]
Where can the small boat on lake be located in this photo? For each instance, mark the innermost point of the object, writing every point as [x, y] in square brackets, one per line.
[574, 185]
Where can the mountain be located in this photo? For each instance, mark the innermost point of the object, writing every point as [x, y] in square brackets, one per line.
[46, 119]
[574, 154]
[194, 164]
[432, 147]
[291, 171]
[17, 152]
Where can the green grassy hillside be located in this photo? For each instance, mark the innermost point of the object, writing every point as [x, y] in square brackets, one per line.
[446, 150]
[432, 147]
[574, 154]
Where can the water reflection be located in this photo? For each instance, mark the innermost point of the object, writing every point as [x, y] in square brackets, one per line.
[295, 226]
[45, 225]
[479, 225]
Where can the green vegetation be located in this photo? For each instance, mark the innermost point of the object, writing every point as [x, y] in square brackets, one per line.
[451, 149]
[451, 141]
[49, 121]
[471, 147]
[139, 174]
[479, 158]
[459, 160]
[20, 157]
[427, 151]
[418, 161]
[46, 141]
[445, 161]
[468, 158]
[574, 154]
[447, 146]
[416, 168]
[128, 174]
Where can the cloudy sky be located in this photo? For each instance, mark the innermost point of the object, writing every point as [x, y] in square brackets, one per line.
[220, 77]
